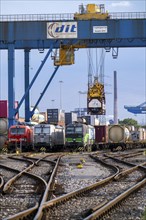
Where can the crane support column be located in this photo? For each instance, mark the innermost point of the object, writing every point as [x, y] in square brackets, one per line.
[11, 73]
[27, 98]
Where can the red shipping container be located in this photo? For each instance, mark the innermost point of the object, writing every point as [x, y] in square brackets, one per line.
[101, 134]
[3, 109]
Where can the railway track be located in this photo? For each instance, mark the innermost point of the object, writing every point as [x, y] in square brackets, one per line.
[110, 210]
[24, 192]
[92, 201]
[77, 171]
[80, 203]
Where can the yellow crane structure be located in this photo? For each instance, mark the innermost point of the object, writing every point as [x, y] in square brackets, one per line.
[91, 11]
[96, 99]
[65, 56]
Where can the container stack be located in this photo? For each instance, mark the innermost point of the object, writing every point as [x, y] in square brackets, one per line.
[56, 117]
[3, 122]
[70, 117]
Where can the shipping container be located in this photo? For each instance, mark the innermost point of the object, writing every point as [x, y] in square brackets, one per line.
[3, 109]
[70, 117]
[3, 126]
[55, 116]
[101, 134]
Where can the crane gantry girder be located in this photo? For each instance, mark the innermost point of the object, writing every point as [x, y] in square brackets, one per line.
[50, 33]
[86, 33]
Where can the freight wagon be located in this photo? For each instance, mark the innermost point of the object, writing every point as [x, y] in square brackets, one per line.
[101, 137]
[118, 137]
[3, 132]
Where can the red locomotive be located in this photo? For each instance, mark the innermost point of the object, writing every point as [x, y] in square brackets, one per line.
[20, 136]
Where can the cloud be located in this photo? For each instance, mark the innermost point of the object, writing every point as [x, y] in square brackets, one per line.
[121, 4]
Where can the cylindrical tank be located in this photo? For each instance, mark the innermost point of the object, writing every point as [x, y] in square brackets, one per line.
[142, 134]
[3, 126]
[118, 134]
[3, 139]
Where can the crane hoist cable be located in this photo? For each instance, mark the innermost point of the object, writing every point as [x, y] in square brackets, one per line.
[96, 94]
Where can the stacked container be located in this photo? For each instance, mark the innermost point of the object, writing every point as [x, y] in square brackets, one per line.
[56, 117]
[3, 122]
[70, 117]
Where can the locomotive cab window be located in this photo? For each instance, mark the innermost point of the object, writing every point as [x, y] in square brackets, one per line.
[70, 130]
[46, 130]
[37, 130]
[78, 130]
[17, 130]
[43, 130]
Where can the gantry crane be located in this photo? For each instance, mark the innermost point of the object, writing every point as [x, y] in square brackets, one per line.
[139, 109]
[90, 28]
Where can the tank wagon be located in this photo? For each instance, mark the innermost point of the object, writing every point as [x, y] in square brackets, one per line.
[3, 132]
[119, 137]
[79, 136]
[49, 136]
[20, 136]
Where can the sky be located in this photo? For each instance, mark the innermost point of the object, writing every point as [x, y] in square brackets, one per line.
[130, 64]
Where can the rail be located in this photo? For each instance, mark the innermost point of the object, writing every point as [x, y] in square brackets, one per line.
[67, 16]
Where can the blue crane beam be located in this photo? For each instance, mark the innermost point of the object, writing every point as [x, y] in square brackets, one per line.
[89, 33]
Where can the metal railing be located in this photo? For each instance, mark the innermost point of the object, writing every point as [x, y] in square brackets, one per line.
[67, 16]
[36, 17]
